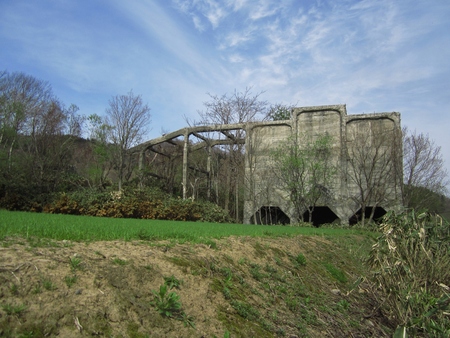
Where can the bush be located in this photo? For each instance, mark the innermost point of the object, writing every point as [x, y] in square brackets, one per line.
[149, 204]
[411, 263]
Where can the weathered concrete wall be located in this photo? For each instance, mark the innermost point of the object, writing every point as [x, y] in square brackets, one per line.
[348, 132]
[352, 136]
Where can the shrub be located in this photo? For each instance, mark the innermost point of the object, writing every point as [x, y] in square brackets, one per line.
[148, 204]
[411, 263]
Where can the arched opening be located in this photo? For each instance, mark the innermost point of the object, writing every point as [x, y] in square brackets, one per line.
[321, 215]
[269, 215]
[357, 216]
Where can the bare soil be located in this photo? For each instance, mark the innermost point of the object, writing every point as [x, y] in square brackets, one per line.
[238, 287]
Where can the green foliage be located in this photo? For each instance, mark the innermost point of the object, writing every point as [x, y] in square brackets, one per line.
[337, 273]
[13, 309]
[305, 169]
[48, 284]
[279, 112]
[75, 263]
[119, 261]
[411, 263]
[70, 280]
[166, 302]
[172, 282]
[300, 260]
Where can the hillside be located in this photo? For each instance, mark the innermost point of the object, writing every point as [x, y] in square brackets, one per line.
[302, 286]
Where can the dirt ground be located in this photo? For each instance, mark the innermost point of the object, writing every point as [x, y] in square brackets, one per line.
[71, 289]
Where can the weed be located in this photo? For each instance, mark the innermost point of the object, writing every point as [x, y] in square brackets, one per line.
[187, 320]
[70, 280]
[13, 309]
[14, 289]
[256, 273]
[270, 269]
[167, 303]
[259, 249]
[133, 331]
[342, 305]
[119, 261]
[245, 310]
[292, 303]
[172, 282]
[48, 284]
[338, 274]
[227, 293]
[242, 261]
[75, 263]
[37, 289]
[410, 260]
[300, 260]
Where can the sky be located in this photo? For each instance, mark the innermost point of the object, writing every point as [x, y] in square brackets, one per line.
[372, 55]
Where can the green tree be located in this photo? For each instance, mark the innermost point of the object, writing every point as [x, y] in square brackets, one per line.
[279, 112]
[305, 170]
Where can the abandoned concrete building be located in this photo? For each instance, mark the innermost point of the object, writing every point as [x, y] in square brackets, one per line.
[370, 136]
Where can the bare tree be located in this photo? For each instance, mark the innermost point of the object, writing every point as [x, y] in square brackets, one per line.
[372, 159]
[240, 107]
[129, 118]
[425, 176]
[36, 132]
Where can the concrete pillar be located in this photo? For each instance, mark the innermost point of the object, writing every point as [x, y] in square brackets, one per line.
[185, 163]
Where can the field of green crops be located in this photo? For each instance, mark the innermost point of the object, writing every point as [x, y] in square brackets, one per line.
[84, 228]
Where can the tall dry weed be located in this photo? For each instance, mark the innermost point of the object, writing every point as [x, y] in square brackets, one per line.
[411, 269]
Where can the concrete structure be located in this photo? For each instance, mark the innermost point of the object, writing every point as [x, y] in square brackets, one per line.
[265, 196]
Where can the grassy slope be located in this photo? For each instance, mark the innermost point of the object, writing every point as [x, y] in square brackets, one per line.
[265, 281]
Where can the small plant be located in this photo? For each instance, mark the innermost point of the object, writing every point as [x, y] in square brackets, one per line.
[48, 285]
[75, 263]
[343, 305]
[13, 309]
[166, 302]
[119, 261]
[256, 273]
[172, 282]
[292, 303]
[187, 320]
[14, 289]
[338, 274]
[37, 289]
[70, 280]
[300, 260]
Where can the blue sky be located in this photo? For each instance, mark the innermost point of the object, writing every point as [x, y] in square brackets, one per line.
[373, 55]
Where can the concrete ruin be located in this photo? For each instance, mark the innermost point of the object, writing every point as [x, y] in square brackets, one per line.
[264, 196]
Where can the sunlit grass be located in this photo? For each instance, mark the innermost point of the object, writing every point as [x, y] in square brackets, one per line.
[85, 228]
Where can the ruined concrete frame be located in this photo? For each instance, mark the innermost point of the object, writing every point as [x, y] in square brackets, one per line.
[318, 118]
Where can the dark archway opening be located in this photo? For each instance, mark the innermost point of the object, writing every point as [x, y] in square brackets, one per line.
[268, 215]
[357, 216]
[321, 215]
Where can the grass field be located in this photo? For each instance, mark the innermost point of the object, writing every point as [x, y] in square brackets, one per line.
[84, 228]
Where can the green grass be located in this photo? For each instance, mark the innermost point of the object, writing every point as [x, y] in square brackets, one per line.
[85, 228]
